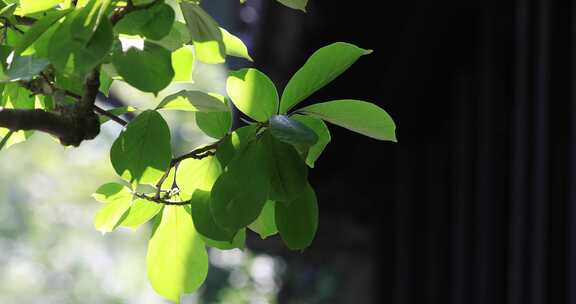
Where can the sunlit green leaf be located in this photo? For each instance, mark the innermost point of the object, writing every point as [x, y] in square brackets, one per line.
[110, 192]
[39, 28]
[140, 212]
[265, 224]
[183, 64]
[28, 7]
[319, 127]
[142, 152]
[234, 45]
[149, 70]
[253, 93]
[194, 101]
[199, 174]
[177, 262]
[118, 199]
[320, 69]
[297, 221]
[356, 115]
[205, 34]
[79, 55]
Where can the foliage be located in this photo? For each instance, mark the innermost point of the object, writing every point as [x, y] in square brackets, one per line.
[57, 55]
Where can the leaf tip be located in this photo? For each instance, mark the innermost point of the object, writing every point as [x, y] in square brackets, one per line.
[368, 52]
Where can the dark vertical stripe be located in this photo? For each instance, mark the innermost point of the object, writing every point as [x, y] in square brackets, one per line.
[485, 201]
[461, 154]
[571, 214]
[405, 266]
[518, 213]
[540, 177]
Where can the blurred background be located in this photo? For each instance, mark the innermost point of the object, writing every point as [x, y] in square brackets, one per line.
[475, 204]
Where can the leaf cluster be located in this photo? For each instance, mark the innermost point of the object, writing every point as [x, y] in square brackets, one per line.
[254, 178]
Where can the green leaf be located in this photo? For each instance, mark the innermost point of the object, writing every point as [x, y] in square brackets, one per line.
[153, 23]
[28, 7]
[177, 262]
[194, 101]
[319, 127]
[142, 153]
[234, 45]
[265, 224]
[205, 34]
[321, 68]
[176, 38]
[39, 28]
[234, 143]
[239, 241]
[110, 192]
[295, 4]
[118, 199]
[289, 172]
[71, 54]
[240, 193]
[140, 212]
[204, 221]
[198, 174]
[214, 124]
[356, 115]
[149, 70]
[291, 131]
[297, 221]
[25, 68]
[142, 2]
[183, 64]
[253, 93]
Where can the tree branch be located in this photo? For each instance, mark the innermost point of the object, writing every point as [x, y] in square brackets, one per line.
[158, 200]
[64, 128]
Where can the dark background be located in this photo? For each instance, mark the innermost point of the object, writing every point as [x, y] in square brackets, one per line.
[475, 204]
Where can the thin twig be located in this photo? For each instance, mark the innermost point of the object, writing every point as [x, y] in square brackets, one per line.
[161, 201]
[113, 117]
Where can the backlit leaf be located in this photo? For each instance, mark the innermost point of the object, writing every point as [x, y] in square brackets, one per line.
[356, 115]
[265, 224]
[253, 93]
[321, 68]
[176, 261]
[194, 101]
[205, 34]
[142, 152]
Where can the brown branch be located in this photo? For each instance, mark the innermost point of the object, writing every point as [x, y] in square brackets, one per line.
[199, 153]
[61, 126]
[158, 200]
[113, 117]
